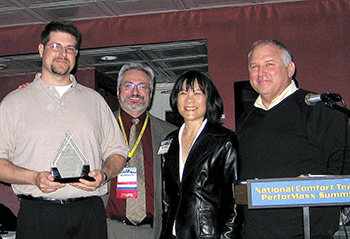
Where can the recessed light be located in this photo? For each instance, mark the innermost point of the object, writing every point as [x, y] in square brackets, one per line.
[3, 67]
[109, 58]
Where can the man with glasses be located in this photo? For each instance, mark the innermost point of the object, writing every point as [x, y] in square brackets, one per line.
[134, 89]
[56, 116]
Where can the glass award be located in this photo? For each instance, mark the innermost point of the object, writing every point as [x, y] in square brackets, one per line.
[69, 163]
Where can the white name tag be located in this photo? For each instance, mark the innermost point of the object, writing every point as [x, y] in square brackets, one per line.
[127, 183]
[164, 146]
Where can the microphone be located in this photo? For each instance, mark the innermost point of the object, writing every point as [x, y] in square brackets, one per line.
[311, 99]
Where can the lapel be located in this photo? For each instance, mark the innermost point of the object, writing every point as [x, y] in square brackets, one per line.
[203, 145]
[116, 113]
[158, 133]
[172, 156]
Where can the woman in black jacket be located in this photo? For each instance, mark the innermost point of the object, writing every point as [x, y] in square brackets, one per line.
[199, 166]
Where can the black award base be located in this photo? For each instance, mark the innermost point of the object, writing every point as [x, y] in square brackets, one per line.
[84, 175]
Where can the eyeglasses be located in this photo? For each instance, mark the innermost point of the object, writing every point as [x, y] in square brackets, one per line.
[131, 86]
[59, 48]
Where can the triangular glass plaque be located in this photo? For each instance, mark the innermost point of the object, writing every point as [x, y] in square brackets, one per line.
[69, 163]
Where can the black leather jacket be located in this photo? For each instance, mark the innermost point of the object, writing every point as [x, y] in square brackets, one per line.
[203, 203]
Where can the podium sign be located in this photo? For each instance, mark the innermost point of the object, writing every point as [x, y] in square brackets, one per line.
[320, 190]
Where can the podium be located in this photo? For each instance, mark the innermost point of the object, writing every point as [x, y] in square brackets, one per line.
[305, 192]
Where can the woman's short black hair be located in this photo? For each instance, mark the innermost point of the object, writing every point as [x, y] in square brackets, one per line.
[215, 106]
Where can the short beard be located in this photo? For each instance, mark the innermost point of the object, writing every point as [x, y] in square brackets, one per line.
[56, 72]
[126, 105]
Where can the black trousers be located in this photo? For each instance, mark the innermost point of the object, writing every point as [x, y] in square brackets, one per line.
[83, 219]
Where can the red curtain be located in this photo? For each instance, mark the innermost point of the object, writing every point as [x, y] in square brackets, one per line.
[316, 32]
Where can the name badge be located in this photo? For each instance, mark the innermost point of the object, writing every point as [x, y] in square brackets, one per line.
[164, 146]
[127, 183]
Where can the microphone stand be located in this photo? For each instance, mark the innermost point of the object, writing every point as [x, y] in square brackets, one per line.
[330, 103]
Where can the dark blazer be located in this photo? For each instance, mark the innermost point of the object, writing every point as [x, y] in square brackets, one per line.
[203, 203]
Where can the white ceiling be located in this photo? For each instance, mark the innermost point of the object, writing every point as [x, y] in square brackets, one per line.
[167, 59]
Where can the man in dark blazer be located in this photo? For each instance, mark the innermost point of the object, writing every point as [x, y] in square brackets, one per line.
[135, 88]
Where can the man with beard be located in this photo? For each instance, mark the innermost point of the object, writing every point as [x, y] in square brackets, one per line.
[134, 89]
[34, 124]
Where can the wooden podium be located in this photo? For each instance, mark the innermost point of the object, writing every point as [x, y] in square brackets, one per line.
[241, 194]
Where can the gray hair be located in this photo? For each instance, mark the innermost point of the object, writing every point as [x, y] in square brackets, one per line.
[137, 66]
[286, 56]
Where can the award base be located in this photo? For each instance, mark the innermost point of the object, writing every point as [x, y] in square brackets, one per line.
[84, 175]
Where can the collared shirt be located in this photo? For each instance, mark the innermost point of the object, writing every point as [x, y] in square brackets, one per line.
[287, 92]
[34, 121]
[116, 207]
